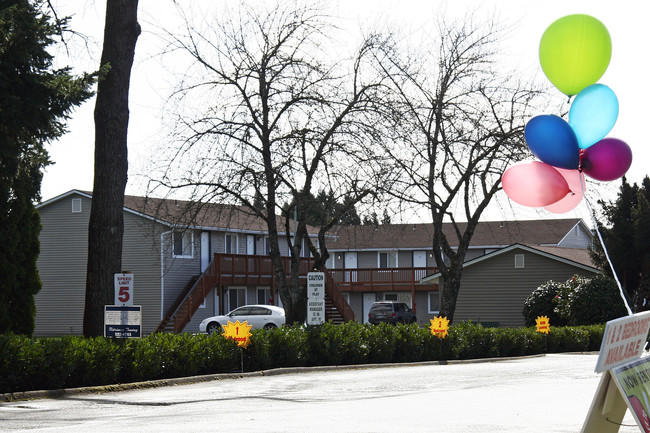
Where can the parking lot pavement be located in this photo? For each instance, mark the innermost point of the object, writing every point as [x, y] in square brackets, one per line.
[546, 394]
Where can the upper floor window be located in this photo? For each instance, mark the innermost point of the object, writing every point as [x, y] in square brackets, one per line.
[388, 259]
[183, 245]
[76, 205]
[230, 244]
[519, 261]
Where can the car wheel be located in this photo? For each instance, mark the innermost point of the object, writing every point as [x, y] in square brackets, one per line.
[213, 328]
[270, 326]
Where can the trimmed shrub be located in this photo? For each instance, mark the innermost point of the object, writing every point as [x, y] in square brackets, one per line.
[51, 363]
[568, 339]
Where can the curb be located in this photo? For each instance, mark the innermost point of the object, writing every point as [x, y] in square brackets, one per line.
[62, 393]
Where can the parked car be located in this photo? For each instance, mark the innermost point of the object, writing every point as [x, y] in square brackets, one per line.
[391, 312]
[259, 316]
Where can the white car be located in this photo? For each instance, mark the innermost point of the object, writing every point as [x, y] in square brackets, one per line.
[259, 316]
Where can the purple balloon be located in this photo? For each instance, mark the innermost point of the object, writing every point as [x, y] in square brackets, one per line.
[607, 160]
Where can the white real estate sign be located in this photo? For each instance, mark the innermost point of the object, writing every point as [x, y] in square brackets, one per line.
[121, 321]
[315, 298]
[623, 341]
[625, 382]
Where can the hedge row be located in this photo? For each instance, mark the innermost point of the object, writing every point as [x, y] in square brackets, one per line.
[68, 362]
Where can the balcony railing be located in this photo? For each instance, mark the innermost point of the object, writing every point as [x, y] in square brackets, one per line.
[385, 279]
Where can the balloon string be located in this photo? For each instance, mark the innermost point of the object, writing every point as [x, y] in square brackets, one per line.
[600, 237]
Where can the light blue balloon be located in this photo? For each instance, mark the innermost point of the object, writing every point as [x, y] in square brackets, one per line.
[593, 114]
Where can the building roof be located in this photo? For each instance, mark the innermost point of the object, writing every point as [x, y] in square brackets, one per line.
[573, 256]
[185, 213]
[493, 234]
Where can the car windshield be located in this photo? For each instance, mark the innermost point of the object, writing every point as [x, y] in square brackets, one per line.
[242, 311]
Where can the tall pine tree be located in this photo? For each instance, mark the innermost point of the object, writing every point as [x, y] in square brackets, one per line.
[626, 234]
[35, 101]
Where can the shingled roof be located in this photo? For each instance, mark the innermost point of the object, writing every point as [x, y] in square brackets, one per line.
[204, 215]
[420, 236]
[185, 213]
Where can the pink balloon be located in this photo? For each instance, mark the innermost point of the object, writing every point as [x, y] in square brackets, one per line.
[576, 182]
[534, 184]
[607, 160]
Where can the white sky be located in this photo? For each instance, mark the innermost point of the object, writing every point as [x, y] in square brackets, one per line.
[627, 22]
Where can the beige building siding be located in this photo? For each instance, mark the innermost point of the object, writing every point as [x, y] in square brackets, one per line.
[141, 256]
[62, 268]
[178, 271]
[405, 259]
[494, 290]
[577, 237]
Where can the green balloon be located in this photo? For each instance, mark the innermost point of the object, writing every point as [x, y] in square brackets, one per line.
[574, 52]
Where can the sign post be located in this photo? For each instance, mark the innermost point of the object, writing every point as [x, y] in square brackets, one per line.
[315, 298]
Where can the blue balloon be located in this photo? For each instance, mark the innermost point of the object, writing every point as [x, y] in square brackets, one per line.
[552, 140]
[593, 114]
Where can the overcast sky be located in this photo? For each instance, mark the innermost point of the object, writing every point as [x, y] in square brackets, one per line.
[627, 22]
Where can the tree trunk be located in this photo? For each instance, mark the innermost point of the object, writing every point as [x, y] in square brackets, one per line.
[106, 225]
[449, 296]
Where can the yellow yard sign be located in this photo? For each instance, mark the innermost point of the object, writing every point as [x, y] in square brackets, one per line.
[439, 326]
[240, 332]
[543, 324]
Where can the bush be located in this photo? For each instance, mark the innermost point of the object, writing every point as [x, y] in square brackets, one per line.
[52, 363]
[595, 300]
[542, 303]
[577, 301]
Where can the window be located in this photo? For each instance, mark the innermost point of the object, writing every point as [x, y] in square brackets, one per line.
[259, 311]
[387, 260]
[267, 245]
[243, 311]
[183, 245]
[434, 302]
[236, 298]
[230, 244]
[76, 205]
[519, 261]
[264, 296]
[390, 296]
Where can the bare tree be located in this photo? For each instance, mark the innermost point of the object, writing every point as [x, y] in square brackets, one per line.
[106, 225]
[265, 116]
[462, 124]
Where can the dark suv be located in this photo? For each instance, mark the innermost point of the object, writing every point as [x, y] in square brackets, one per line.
[391, 312]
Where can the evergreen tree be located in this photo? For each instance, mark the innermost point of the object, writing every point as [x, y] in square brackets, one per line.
[35, 101]
[627, 237]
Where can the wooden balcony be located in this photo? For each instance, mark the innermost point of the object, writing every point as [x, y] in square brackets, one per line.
[383, 280]
[248, 270]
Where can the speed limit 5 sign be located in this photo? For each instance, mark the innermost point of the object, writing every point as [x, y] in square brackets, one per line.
[124, 289]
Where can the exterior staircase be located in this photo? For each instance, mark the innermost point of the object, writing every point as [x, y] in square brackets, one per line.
[243, 270]
[332, 313]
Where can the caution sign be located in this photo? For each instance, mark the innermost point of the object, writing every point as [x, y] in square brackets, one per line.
[315, 298]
